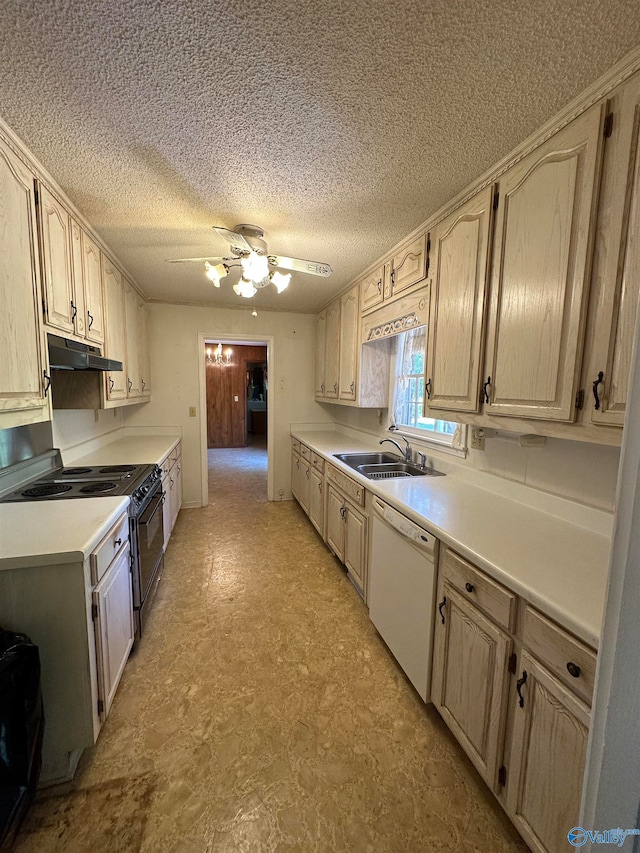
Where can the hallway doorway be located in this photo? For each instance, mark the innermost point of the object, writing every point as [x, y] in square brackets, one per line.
[236, 393]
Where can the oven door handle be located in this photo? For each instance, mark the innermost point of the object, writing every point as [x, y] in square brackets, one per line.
[155, 510]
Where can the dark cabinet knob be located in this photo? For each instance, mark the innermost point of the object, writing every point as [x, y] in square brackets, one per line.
[574, 670]
[469, 587]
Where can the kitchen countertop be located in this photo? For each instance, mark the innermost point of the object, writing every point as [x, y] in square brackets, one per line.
[37, 533]
[559, 567]
[131, 450]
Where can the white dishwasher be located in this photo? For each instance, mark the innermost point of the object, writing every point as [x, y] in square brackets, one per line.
[402, 589]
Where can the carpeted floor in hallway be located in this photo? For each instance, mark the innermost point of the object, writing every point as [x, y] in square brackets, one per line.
[262, 712]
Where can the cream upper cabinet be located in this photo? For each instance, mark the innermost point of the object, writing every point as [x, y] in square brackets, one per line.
[550, 732]
[143, 349]
[349, 322]
[321, 323]
[372, 289]
[131, 302]
[409, 265]
[541, 264]
[617, 262]
[92, 276]
[54, 229]
[22, 381]
[79, 314]
[115, 344]
[332, 350]
[460, 247]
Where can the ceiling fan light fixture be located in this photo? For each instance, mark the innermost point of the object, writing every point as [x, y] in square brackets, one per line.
[215, 272]
[245, 288]
[280, 280]
[255, 267]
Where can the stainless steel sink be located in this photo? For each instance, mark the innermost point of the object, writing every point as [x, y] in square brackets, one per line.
[384, 466]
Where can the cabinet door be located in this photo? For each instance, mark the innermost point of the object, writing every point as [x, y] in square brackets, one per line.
[349, 322]
[175, 475]
[54, 228]
[355, 546]
[460, 268]
[113, 627]
[619, 272]
[332, 350]
[316, 500]
[321, 323]
[541, 264]
[304, 485]
[409, 266]
[116, 380]
[143, 350]
[21, 346]
[547, 759]
[372, 290]
[79, 303]
[335, 522]
[92, 274]
[295, 475]
[470, 662]
[131, 300]
[166, 509]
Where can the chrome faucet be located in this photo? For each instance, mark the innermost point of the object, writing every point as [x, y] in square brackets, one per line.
[406, 452]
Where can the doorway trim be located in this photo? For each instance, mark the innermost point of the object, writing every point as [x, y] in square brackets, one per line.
[231, 338]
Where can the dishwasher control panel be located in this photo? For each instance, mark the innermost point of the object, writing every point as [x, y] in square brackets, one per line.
[404, 526]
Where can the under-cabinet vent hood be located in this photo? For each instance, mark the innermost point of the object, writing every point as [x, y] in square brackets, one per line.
[65, 354]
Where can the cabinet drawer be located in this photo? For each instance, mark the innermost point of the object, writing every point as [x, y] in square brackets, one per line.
[305, 452]
[346, 484]
[568, 659]
[317, 462]
[495, 600]
[113, 542]
[295, 445]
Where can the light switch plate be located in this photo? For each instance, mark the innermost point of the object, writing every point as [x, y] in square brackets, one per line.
[192, 411]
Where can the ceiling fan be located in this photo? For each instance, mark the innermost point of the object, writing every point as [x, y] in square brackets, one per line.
[249, 251]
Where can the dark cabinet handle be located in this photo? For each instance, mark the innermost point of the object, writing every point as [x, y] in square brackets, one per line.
[74, 311]
[469, 587]
[393, 277]
[306, 472]
[90, 316]
[427, 388]
[335, 387]
[595, 390]
[379, 285]
[144, 384]
[117, 542]
[519, 684]
[111, 383]
[47, 380]
[440, 606]
[574, 669]
[485, 388]
[129, 383]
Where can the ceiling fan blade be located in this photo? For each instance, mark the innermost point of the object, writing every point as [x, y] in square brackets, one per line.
[201, 260]
[236, 241]
[299, 265]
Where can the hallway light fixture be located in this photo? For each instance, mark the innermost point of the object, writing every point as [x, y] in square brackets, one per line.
[216, 356]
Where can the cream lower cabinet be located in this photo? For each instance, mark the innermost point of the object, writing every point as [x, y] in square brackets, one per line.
[171, 467]
[515, 690]
[301, 473]
[347, 525]
[316, 493]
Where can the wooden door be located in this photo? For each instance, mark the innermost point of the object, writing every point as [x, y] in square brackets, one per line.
[22, 384]
[349, 323]
[115, 344]
[541, 267]
[92, 276]
[619, 271]
[409, 265]
[460, 248]
[372, 290]
[469, 681]
[316, 500]
[131, 301]
[54, 227]
[321, 322]
[355, 546]
[332, 350]
[335, 522]
[79, 302]
[549, 740]
[227, 387]
[114, 626]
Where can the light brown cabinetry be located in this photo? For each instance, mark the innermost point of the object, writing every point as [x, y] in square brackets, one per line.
[460, 249]
[515, 689]
[132, 327]
[409, 265]
[115, 345]
[316, 499]
[54, 230]
[143, 349]
[374, 288]
[171, 467]
[321, 336]
[541, 267]
[92, 277]
[332, 351]
[348, 346]
[307, 482]
[347, 525]
[23, 383]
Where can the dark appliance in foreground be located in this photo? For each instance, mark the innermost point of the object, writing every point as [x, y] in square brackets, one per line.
[21, 731]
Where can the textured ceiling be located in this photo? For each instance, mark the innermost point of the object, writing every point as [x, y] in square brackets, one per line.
[338, 126]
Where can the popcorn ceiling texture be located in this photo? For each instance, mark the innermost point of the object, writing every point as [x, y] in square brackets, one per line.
[338, 127]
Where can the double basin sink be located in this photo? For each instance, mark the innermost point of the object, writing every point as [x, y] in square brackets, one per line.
[384, 466]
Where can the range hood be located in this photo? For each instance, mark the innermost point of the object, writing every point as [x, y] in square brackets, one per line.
[65, 354]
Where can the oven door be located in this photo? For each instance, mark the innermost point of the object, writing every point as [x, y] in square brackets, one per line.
[150, 541]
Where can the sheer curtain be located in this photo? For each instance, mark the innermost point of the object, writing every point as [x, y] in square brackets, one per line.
[409, 386]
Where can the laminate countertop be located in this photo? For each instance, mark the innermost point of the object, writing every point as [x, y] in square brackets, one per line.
[558, 566]
[131, 450]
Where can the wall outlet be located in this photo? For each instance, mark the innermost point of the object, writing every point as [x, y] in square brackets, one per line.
[477, 438]
[192, 411]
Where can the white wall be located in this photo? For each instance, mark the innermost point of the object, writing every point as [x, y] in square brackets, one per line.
[74, 426]
[173, 337]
